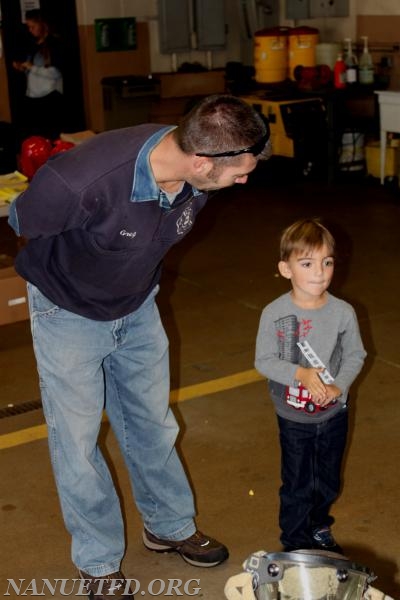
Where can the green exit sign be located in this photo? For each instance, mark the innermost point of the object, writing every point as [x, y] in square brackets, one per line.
[115, 34]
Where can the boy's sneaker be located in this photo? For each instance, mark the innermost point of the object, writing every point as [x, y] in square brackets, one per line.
[198, 550]
[324, 540]
[296, 548]
[109, 586]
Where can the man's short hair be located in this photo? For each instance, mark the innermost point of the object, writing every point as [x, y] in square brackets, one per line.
[221, 123]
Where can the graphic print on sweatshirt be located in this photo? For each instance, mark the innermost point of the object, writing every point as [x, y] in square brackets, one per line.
[185, 221]
[289, 331]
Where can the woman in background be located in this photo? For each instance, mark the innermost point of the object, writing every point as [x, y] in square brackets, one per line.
[43, 111]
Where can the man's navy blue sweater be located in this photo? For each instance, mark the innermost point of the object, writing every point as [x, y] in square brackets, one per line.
[96, 231]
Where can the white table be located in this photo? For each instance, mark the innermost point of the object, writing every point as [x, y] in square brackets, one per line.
[389, 115]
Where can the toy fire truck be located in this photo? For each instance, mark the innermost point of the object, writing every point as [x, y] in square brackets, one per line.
[301, 399]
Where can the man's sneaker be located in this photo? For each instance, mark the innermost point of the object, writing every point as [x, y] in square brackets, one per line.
[324, 540]
[109, 586]
[198, 550]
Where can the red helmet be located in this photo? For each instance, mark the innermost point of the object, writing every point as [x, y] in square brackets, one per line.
[61, 146]
[35, 151]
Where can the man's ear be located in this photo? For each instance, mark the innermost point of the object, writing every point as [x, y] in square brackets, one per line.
[202, 164]
[284, 269]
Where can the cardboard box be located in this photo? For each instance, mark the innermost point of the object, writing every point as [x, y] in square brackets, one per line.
[13, 297]
[373, 159]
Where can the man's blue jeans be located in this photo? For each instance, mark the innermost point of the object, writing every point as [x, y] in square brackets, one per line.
[85, 366]
[311, 462]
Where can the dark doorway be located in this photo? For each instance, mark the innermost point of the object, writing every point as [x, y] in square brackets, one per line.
[62, 15]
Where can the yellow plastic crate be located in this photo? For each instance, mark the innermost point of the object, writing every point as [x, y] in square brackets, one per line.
[373, 159]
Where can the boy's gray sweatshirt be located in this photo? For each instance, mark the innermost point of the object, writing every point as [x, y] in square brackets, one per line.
[333, 333]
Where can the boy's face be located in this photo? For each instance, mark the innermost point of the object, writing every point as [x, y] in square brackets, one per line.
[310, 272]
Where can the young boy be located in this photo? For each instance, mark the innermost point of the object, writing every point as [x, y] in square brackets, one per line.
[309, 347]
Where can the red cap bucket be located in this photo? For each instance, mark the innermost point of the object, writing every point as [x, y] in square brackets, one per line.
[302, 48]
[271, 54]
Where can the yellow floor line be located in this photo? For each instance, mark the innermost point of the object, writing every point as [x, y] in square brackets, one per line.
[23, 436]
[39, 432]
[215, 385]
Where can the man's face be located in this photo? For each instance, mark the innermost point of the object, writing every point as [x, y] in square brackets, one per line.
[214, 177]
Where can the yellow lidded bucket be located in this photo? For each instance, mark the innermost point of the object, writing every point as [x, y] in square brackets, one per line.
[271, 54]
[302, 48]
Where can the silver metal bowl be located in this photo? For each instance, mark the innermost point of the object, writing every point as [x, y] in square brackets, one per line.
[307, 575]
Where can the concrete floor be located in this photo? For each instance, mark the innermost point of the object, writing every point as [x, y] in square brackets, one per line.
[215, 285]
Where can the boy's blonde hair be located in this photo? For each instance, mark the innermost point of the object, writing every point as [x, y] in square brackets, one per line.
[304, 235]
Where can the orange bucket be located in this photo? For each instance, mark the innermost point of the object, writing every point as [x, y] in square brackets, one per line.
[271, 54]
[302, 48]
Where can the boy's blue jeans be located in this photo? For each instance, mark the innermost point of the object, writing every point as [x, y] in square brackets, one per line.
[311, 460]
[85, 366]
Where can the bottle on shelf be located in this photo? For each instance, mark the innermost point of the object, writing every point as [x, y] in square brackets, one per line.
[351, 63]
[339, 73]
[366, 66]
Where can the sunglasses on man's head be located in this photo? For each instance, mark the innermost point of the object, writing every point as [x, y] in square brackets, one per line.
[255, 149]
